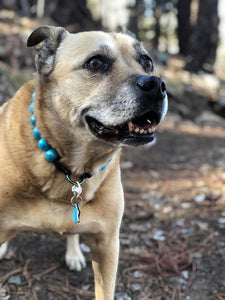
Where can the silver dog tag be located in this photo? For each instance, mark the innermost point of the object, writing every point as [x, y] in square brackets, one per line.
[75, 201]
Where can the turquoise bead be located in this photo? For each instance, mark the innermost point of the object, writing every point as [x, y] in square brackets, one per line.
[33, 120]
[33, 95]
[31, 107]
[102, 167]
[51, 154]
[43, 144]
[36, 133]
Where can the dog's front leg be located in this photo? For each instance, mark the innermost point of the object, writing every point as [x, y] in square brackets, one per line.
[105, 254]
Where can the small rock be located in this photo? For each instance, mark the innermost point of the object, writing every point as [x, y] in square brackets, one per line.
[157, 206]
[3, 294]
[122, 296]
[196, 255]
[180, 222]
[126, 164]
[136, 287]
[185, 274]
[221, 220]
[186, 205]
[180, 283]
[199, 198]
[187, 230]
[138, 274]
[15, 280]
[85, 248]
[159, 235]
[202, 225]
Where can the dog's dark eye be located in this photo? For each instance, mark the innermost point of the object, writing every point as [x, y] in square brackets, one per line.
[95, 63]
[98, 63]
[147, 63]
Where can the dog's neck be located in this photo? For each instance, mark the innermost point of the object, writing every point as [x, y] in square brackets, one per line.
[65, 159]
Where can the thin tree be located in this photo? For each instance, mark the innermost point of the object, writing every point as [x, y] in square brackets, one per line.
[204, 40]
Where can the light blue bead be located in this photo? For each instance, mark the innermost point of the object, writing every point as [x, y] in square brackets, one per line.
[33, 95]
[51, 154]
[36, 133]
[102, 167]
[31, 108]
[33, 120]
[43, 144]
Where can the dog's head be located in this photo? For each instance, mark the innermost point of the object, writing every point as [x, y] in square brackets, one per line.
[102, 82]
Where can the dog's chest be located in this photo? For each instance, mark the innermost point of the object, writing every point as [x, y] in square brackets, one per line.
[53, 212]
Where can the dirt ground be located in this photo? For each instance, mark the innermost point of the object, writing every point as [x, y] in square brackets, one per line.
[173, 230]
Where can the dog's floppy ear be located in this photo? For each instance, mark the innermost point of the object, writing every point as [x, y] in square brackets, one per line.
[46, 40]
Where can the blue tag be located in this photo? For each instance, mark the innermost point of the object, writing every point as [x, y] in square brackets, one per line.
[76, 213]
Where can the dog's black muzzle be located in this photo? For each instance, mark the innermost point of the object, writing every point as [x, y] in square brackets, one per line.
[152, 86]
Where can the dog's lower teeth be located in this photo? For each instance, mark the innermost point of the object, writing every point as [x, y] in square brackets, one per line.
[150, 130]
[137, 130]
[142, 131]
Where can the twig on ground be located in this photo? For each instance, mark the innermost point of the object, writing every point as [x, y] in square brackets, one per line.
[49, 270]
[4, 278]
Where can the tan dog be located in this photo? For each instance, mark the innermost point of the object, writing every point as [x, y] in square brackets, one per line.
[95, 92]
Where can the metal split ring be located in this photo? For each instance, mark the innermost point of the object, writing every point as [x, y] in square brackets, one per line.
[77, 201]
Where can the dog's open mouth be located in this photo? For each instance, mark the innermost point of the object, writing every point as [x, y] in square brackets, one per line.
[139, 130]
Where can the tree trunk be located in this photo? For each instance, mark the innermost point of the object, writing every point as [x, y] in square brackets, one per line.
[183, 31]
[204, 40]
[73, 13]
[135, 13]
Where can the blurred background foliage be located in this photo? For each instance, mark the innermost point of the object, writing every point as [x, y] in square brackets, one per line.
[193, 28]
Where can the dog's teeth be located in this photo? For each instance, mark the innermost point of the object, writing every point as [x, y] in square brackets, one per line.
[145, 132]
[137, 130]
[150, 130]
[130, 126]
[142, 131]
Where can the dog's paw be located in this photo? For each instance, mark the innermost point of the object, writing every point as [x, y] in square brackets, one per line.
[3, 249]
[75, 262]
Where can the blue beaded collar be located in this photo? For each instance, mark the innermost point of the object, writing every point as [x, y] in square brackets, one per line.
[53, 156]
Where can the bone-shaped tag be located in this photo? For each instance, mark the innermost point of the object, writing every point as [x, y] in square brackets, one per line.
[76, 213]
[75, 201]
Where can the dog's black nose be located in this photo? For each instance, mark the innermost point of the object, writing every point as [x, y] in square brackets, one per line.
[152, 85]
